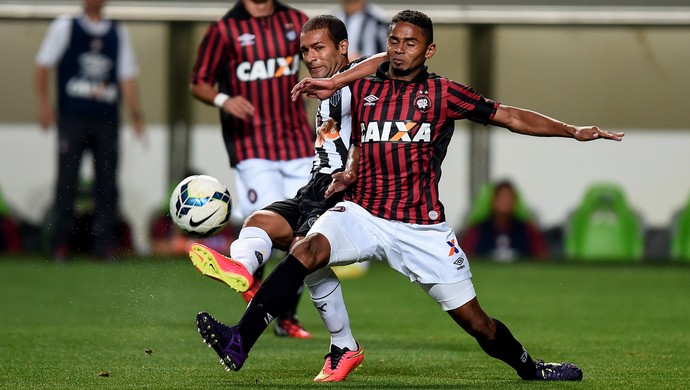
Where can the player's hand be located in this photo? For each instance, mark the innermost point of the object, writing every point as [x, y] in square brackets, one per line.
[314, 88]
[46, 117]
[139, 128]
[138, 124]
[589, 133]
[341, 181]
[239, 107]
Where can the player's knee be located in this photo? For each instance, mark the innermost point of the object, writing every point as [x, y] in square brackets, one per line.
[313, 251]
[482, 326]
[474, 320]
[259, 218]
[277, 228]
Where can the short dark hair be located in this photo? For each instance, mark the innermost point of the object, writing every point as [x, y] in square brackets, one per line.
[417, 18]
[337, 31]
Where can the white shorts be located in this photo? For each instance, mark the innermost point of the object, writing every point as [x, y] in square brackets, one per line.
[261, 182]
[428, 255]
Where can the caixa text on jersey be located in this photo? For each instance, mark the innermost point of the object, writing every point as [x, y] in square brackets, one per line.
[396, 132]
[268, 69]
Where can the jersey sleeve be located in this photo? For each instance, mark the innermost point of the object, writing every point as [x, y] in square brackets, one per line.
[127, 68]
[465, 102]
[55, 42]
[210, 54]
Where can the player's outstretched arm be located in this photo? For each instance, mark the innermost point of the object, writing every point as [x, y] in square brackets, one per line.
[342, 180]
[324, 88]
[528, 122]
[314, 88]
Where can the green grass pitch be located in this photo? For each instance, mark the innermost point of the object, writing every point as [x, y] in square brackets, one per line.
[131, 325]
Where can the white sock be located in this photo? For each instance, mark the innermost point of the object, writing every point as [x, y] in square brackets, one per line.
[327, 296]
[252, 248]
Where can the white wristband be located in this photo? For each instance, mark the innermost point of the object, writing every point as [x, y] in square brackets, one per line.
[220, 99]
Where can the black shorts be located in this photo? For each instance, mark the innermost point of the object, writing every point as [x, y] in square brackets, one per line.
[302, 211]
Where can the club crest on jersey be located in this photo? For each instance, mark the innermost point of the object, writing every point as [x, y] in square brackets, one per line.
[395, 132]
[246, 39]
[290, 32]
[422, 103]
[335, 98]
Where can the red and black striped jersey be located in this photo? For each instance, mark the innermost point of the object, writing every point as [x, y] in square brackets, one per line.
[403, 129]
[258, 58]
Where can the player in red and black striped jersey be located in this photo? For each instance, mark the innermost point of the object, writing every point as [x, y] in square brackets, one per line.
[405, 129]
[404, 117]
[252, 54]
[324, 47]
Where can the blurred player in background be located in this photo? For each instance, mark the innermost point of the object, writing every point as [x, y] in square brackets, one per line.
[324, 47]
[403, 120]
[252, 55]
[96, 67]
[367, 26]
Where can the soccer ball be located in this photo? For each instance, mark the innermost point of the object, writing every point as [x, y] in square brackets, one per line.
[200, 206]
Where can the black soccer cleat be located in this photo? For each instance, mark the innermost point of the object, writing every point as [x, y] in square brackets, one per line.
[225, 341]
[557, 371]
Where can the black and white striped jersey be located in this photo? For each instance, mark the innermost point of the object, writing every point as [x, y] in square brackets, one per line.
[333, 130]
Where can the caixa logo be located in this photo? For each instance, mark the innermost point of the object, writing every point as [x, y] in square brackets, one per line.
[268, 69]
[395, 132]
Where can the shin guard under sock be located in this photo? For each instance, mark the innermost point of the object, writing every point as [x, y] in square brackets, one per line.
[274, 297]
[506, 348]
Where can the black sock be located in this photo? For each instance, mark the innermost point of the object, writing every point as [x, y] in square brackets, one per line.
[277, 292]
[291, 311]
[506, 348]
[259, 273]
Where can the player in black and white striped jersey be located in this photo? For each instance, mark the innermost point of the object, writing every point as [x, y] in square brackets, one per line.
[324, 49]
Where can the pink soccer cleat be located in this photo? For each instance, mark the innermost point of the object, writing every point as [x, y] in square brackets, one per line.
[221, 268]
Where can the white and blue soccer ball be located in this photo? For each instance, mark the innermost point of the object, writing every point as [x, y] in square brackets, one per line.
[200, 206]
